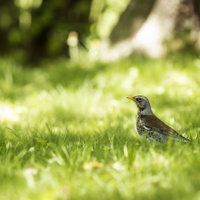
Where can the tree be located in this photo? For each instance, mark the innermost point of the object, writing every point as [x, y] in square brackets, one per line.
[160, 22]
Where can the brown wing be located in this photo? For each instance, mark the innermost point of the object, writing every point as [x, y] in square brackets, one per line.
[159, 127]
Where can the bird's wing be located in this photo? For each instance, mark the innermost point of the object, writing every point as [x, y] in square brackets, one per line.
[156, 124]
[160, 128]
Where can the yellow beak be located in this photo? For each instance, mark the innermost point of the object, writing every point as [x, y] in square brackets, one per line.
[131, 98]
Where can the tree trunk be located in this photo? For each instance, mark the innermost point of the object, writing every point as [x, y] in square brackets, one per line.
[149, 40]
[196, 15]
[131, 20]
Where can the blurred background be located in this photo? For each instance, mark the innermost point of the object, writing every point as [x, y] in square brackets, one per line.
[67, 131]
[35, 30]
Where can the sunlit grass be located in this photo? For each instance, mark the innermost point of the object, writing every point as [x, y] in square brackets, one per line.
[68, 132]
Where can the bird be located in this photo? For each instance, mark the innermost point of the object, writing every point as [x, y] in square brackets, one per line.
[151, 127]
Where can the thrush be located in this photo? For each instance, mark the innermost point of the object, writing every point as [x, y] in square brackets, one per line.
[151, 127]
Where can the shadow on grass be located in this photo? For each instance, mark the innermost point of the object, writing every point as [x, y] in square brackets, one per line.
[18, 82]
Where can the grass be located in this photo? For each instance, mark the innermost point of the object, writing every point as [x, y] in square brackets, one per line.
[68, 132]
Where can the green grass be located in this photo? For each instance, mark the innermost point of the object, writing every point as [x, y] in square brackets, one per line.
[68, 132]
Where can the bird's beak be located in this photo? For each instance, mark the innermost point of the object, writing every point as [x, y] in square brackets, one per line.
[131, 98]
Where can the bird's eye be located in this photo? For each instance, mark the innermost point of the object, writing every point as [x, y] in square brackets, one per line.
[139, 99]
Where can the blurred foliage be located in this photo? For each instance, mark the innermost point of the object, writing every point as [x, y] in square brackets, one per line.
[105, 14]
[31, 30]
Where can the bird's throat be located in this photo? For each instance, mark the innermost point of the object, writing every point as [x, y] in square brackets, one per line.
[145, 111]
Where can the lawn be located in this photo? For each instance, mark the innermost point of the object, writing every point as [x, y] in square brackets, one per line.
[68, 132]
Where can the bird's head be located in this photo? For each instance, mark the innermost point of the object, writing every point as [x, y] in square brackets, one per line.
[142, 104]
